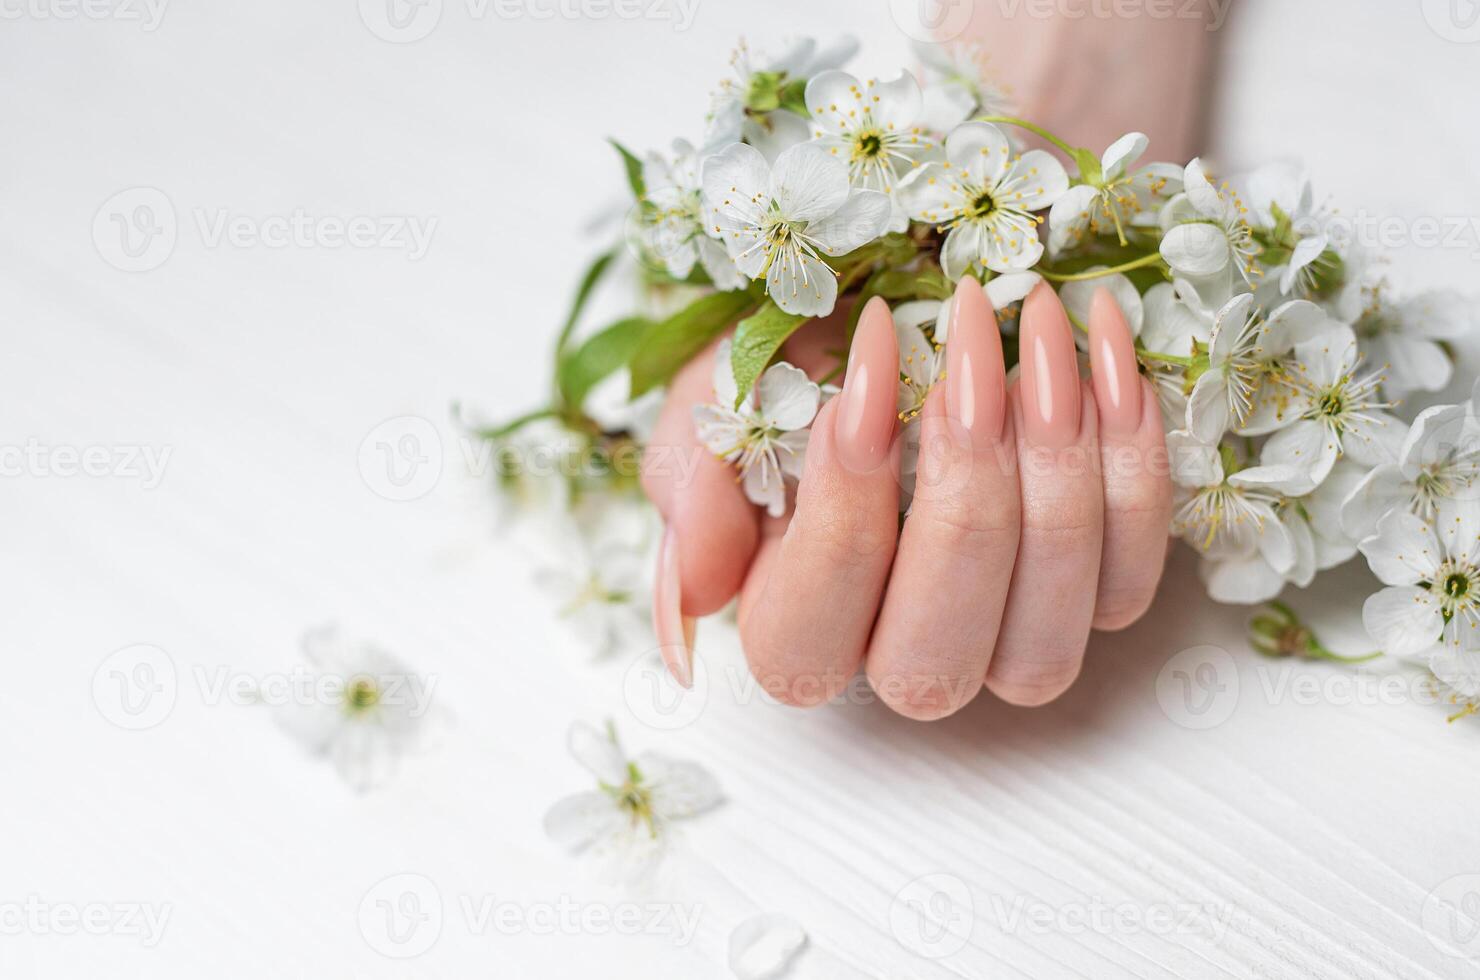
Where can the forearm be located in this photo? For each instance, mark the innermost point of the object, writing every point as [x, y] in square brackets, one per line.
[1091, 74]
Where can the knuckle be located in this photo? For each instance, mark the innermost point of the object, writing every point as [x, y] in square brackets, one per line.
[1063, 525]
[849, 536]
[925, 695]
[968, 528]
[1120, 608]
[1032, 682]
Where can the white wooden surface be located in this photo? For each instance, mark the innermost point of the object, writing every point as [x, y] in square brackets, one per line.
[1309, 835]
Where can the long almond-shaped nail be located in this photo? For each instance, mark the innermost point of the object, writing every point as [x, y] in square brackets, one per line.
[864, 425]
[1050, 371]
[675, 631]
[976, 380]
[1112, 366]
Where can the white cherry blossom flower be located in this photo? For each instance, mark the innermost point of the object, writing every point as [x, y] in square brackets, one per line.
[958, 84]
[874, 126]
[766, 438]
[1246, 354]
[986, 197]
[1284, 202]
[1406, 335]
[1173, 328]
[1238, 521]
[1115, 199]
[624, 825]
[922, 365]
[777, 222]
[1208, 239]
[1336, 410]
[364, 709]
[598, 576]
[1438, 462]
[758, 79]
[1432, 570]
[671, 226]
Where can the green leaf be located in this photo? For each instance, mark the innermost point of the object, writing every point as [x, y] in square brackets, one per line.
[601, 355]
[593, 275]
[673, 342]
[634, 170]
[757, 340]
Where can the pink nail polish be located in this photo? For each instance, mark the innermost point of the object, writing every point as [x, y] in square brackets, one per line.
[864, 424]
[976, 381]
[1050, 371]
[1112, 366]
[675, 631]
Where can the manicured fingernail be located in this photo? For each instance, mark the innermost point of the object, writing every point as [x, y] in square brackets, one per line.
[1050, 371]
[976, 381]
[1112, 366]
[864, 424]
[675, 630]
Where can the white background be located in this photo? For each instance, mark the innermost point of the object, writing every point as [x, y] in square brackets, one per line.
[1315, 831]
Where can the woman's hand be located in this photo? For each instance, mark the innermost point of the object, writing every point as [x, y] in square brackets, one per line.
[1040, 510]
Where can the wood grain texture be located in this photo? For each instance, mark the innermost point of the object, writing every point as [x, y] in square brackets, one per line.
[1299, 837]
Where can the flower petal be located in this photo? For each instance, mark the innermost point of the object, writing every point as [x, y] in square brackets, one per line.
[788, 398]
[1403, 551]
[981, 151]
[1382, 490]
[579, 820]
[808, 183]
[1122, 153]
[680, 788]
[802, 285]
[1208, 411]
[1044, 181]
[597, 753]
[1196, 249]
[862, 217]
[1307, 446]
[1403, 620]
